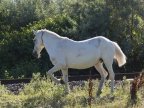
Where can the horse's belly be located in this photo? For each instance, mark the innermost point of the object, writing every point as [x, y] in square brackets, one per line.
[80, 66]
[82, 62]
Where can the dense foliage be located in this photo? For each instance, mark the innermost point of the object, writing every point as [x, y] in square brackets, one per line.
[119, 20]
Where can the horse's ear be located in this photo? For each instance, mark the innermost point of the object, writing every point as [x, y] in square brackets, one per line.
[34, 31]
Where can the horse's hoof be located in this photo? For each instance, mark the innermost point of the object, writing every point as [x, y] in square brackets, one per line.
[112, 98]
[62, 81]
[67, 92]
[98, 93]
[98, 97]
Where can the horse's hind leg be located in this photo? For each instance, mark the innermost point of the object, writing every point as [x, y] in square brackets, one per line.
[103, 74]
[108, 64]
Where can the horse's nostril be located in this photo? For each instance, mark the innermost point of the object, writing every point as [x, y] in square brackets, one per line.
[34, 54]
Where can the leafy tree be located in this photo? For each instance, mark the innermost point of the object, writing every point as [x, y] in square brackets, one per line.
[119, 20]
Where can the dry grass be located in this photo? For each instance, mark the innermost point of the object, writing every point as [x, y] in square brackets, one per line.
[41, 93]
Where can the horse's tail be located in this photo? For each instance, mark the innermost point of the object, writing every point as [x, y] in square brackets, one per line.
[119, 55]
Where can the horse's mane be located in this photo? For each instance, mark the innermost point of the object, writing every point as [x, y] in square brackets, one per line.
[52, 34]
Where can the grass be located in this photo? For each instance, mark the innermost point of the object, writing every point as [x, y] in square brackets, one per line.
[42, 93]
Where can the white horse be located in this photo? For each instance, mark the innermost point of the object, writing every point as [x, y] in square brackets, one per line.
[66, 53]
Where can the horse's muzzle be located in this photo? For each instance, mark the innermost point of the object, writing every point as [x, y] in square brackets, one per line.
[35, 54]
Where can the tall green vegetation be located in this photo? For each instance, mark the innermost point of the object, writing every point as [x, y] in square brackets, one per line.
[121, 21]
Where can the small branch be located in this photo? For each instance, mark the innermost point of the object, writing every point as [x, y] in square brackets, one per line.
[137, 83]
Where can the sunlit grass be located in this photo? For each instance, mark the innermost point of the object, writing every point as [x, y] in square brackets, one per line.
[42, 93]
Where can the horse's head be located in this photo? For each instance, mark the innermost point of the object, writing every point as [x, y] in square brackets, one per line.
[38, 43]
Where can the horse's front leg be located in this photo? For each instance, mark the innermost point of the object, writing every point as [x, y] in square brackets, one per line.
[52, 70]
[65, 78]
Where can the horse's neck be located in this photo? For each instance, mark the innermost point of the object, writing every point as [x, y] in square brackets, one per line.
[50, 42]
